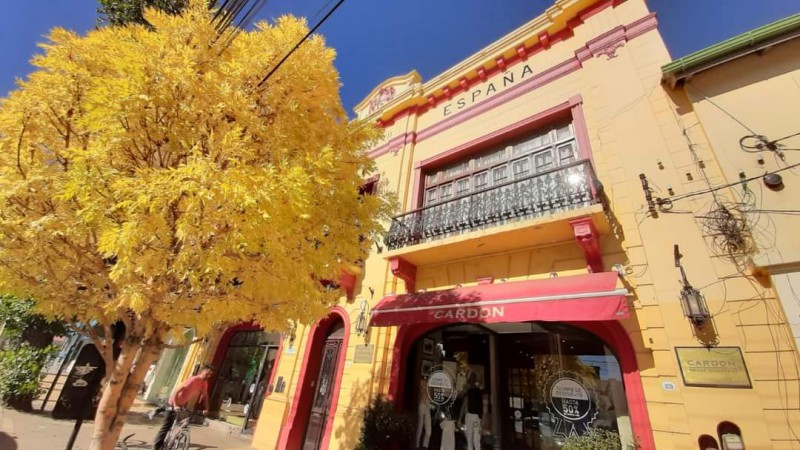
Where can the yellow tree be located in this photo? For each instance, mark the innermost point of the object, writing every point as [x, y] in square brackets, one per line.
[146, 179]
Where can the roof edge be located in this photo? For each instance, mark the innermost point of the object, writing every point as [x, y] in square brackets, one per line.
[738, 46]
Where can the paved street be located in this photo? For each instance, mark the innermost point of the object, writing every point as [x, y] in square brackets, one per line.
[21, 431]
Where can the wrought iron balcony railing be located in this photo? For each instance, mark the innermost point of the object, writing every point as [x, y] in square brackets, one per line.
[567, 187]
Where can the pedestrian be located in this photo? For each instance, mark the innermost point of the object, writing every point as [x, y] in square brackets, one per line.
[193, 392]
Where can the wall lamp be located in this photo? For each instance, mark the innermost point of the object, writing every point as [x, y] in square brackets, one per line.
[692, 301]
[362, 322]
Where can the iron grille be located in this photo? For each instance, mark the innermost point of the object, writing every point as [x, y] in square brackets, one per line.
[567, 187]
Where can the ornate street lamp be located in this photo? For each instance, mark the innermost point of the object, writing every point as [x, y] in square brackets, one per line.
[692, 301]
[362, 322]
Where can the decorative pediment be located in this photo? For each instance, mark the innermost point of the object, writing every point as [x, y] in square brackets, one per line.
[386, 93]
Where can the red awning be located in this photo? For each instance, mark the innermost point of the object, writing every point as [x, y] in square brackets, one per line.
[594, 296]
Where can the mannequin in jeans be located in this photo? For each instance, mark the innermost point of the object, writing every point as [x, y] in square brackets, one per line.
[423, 415]
[471, 413]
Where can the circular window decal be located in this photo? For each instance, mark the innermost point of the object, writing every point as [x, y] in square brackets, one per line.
[572, 403]
[441, 387]
[570, 399]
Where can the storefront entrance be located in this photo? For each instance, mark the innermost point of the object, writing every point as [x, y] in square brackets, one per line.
[242, 376]
[513, 386]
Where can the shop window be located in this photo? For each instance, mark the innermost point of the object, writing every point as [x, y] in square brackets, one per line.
[730, 437]
[513, 386]
[706, 442]
[241, 381]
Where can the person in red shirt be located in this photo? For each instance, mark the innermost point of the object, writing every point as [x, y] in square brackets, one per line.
[193, 392]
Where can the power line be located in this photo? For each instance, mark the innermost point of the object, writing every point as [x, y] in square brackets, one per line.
[717, 188]
[245, 20]
[706, 97]
[310, 32]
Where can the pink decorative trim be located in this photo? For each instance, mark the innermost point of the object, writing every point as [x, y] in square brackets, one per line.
[576, 99]
[347, 281]
[502, 63]
[581, 129]
[589, 239]
[485, 280]
[520, 126]
[524, 87]
[544, 39]
[583, 54]
[522, 52]
[463, 83]
[575, 22]
[607, 43]
[608, 47]
[416, 194]
[394, 145]
[405, 271]
[641, 26]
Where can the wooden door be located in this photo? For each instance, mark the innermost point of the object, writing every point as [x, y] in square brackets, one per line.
[323, 390]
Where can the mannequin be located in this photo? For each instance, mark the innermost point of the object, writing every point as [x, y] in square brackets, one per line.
[423, 415]
[471, 412]
[448, 434]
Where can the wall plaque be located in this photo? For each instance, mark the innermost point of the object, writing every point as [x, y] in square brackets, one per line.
[364, 354]
[713, 367]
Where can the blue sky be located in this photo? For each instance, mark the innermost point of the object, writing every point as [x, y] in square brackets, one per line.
[377, 39]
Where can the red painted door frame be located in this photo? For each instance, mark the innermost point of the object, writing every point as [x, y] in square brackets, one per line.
[293, 431]
[612, 334]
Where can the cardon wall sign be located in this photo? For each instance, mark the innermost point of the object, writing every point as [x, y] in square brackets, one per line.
[713, 367]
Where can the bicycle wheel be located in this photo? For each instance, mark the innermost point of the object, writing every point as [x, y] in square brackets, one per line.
[181, 442]
[123, 444]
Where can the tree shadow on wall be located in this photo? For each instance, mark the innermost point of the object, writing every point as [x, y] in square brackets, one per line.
[348, 433]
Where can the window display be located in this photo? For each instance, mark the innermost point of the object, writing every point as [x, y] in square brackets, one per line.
[550, 381]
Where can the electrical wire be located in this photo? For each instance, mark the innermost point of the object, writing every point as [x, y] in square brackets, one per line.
[763, 144]
[310, 32]
[735, 119]
[720, 187]
[248, 16]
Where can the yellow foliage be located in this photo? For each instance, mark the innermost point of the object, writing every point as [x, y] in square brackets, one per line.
[144, 175]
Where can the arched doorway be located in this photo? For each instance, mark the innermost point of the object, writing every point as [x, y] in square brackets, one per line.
[539, 383]
[245, 358]
[308, 426]
[324, 386]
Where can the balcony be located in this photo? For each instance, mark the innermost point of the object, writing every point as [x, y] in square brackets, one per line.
[550, 194]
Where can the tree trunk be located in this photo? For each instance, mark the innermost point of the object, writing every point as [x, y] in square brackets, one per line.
[120, 391]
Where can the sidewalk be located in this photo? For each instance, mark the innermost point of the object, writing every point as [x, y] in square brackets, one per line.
[33, 431]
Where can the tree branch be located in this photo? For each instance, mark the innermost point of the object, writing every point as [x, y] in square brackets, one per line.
[19, 149]
[196, 341]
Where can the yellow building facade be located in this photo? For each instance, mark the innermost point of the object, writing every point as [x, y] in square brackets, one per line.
[561, 259]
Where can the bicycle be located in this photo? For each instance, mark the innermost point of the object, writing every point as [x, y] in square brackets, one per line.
[178, 437]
